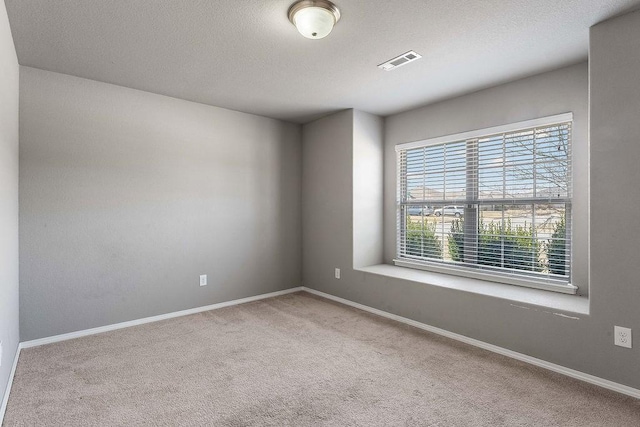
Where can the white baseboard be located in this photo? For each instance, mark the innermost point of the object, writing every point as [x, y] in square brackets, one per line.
[5, 399]
[620, 388]
[107, 328]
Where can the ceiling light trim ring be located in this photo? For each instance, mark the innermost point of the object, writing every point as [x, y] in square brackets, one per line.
[325, 4]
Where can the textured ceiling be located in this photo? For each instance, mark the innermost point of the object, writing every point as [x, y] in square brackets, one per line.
[245, 55]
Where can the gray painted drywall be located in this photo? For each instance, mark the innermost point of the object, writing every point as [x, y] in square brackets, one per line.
[126, 197]
[581, 342]
[615, 178]
[368, 162]
[327, 190]
[9, 324]
[342, 216]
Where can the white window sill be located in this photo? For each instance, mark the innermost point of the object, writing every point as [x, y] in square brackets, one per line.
[519, 294]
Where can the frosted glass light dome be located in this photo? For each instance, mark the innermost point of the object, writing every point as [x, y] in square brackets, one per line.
[314, 19]
[314, 22]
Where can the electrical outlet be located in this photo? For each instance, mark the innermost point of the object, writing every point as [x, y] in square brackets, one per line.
[0, 353]
[337, 273]
[203, 280]
[622, 336]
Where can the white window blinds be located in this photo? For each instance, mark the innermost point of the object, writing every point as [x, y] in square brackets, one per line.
[495, 203]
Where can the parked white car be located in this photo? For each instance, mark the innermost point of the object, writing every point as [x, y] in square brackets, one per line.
[456, 211]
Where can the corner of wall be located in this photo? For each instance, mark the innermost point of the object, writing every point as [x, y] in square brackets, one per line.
[368, 172]
[9, 127]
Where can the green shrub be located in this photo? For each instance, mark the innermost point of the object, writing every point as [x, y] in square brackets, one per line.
[557, 249]
[456, 240]
[513, 245]
[422, 240]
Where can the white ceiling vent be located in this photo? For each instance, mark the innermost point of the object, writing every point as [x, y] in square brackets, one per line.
[399, 61]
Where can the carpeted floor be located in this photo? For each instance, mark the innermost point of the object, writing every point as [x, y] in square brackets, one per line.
[294, 360]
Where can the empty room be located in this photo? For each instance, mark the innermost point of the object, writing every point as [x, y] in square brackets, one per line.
[319, 213]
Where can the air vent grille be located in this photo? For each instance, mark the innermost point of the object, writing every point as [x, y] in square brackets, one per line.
[399, 61]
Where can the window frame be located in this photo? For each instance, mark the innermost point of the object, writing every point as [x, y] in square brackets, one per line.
[507, 277]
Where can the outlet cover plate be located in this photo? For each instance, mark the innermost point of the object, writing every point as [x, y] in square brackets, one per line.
[622, 336]
[203, 280]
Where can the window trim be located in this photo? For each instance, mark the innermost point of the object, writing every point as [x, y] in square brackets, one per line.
[512, 127]
[507, 278]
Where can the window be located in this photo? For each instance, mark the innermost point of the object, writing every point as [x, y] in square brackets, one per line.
[493, 204]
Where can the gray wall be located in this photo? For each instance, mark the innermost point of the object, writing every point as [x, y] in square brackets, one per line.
[615, 181]
[9, 70]
[585, 343]
[342, 215]
[368, 172]
[126, 197]
[327, 160]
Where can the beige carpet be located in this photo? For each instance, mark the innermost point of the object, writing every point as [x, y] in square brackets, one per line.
[294, 360]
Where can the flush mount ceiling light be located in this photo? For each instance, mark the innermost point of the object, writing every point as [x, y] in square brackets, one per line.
[314, 19]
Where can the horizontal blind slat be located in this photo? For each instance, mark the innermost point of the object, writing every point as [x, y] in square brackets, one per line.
[513, 189]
